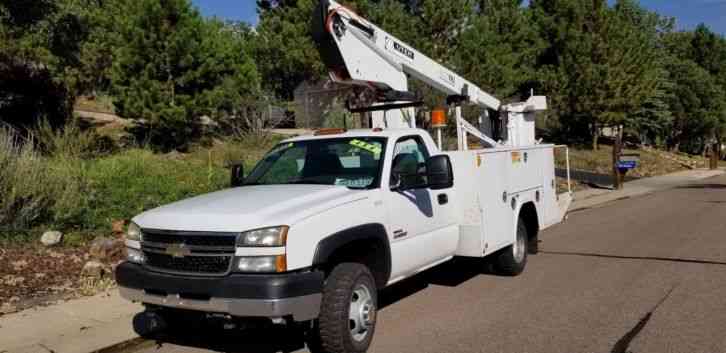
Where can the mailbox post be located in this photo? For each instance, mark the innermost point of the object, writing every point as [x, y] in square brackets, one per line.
[715, 156]
[626, 162]
[622, 162]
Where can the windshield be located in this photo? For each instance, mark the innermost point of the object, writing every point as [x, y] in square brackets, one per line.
[352, 162]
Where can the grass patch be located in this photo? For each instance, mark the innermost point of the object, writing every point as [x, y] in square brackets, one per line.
[67, 188]
[133, 181]
[652, 162]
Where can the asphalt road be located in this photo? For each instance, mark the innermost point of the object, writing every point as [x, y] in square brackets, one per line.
[638, 275]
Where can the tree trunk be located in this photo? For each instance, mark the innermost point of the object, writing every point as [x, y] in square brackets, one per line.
[595, 137]
[617, 148]
[715, 155]
[676, 147]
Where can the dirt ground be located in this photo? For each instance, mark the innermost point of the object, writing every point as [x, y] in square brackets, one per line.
[35, 275]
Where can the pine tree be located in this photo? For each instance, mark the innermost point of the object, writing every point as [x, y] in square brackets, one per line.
[498, 51]
[597, 68]
[174, 67]
[653, 119]
[39, 59]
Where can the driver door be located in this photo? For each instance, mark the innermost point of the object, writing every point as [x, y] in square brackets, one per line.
[418, 219]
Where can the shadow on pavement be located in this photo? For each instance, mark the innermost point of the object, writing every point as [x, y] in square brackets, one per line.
[199, 332]
[647, 258]
[703, 186]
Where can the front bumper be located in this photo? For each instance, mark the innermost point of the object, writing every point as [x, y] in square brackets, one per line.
[296, 294]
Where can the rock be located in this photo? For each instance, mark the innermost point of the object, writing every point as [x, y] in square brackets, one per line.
[93, 269]
[19, 265]
[117, 227]
[51, 237]
[207, 121]
[174, 155]
[8, 308]
[55, 255]
[12, 280]
[104, 248]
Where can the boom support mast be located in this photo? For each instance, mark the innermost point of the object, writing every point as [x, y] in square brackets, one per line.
[360, 53]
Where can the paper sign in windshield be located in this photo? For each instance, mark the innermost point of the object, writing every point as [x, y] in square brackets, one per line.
[376, 150]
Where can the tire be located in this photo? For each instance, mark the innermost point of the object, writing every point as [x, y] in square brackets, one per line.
[347, 319]
[511, 260]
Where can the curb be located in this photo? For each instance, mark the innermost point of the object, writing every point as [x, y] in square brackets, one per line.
[639, 190]
[131, 344]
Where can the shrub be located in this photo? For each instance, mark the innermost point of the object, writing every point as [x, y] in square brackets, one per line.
[69, 141]
[81, 193]
[34, 190]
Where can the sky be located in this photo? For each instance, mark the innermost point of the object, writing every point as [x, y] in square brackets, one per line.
[688, 13]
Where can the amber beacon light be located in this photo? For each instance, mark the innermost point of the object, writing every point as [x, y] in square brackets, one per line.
[438, 122]
[438, 118]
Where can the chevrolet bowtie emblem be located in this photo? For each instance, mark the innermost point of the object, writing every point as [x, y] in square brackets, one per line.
[178, 250]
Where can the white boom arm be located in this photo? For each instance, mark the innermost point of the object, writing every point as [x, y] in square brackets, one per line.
[360, 53]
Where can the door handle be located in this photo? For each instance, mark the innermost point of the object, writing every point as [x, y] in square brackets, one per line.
[443, 199]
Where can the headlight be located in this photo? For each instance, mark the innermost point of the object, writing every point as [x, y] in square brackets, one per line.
[273, 236]
[135, 256]
[276, 263]
[133, 232]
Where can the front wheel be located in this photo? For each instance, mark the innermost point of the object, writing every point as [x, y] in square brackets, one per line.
[347, 318]
[511, 260]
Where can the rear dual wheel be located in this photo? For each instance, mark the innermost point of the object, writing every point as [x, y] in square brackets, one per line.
[511, 260]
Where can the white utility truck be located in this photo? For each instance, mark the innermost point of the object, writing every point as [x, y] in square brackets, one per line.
[323, 222]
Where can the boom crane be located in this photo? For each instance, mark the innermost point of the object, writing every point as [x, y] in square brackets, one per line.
[360, 53]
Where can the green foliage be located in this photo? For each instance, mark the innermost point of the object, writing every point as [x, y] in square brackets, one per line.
[98, 50]
[694, 105]
[35, 189]
[177, 67]
[499, 50]
[59, 189]
[699, 100]
[70, 141]
[38, 53]
[126, 184]
[284, 50]
[652, 120]
[598, 68]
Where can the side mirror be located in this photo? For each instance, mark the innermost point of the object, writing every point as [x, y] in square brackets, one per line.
[237, 175]
[407, 173]
[439, 172]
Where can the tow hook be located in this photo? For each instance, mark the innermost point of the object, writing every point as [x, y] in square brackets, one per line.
[149, 322]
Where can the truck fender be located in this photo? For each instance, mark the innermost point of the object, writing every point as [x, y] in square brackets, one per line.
[365, 232]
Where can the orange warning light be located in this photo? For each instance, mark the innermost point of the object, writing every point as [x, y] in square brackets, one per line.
[438, 118]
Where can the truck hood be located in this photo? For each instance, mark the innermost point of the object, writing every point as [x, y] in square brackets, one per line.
[248, 207]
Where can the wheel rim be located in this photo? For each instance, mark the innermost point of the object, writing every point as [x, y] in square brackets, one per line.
[520, 247]
[362, 313]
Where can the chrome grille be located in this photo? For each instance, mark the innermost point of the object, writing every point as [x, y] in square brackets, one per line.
[189, 253]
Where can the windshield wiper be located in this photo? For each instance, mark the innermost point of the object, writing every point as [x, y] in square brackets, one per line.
[308, 181]
[251, 183]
